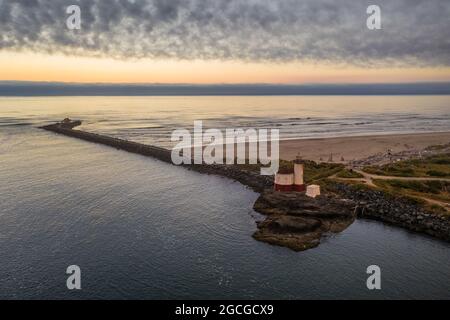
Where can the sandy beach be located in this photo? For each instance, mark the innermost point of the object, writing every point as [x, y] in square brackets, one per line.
[357, 148]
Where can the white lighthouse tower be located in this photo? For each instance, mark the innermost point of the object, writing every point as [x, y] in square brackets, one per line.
[299, 181]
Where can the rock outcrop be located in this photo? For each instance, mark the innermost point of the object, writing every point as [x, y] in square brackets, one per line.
[299, 222]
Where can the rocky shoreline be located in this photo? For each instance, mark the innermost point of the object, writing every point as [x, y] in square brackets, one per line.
[397, 211]
[294, 220]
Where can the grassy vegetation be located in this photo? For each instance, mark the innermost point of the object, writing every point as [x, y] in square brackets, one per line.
[313, 171]
[349, 174]
[393, 192]
[434, 166]
[284, 165]
[437, 209]
[437, 190]
[328, 185]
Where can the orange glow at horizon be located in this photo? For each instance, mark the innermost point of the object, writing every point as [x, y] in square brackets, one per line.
[59, 68]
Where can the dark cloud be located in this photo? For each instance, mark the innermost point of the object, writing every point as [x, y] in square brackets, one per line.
[414, 32]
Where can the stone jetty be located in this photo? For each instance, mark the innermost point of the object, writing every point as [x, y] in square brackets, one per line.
[248, 178]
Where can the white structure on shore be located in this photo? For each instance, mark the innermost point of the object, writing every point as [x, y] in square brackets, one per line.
[313, 191]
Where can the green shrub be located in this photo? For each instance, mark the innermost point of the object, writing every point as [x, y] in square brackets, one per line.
[434, 173]
[349, 174]
[435, 166]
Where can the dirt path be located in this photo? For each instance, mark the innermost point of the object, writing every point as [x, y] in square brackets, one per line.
[369, 176]
[446, 205]
[368, 180]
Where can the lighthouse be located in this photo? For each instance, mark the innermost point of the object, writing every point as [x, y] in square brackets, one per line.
[291, 179]
[299, 181]
[284, 180]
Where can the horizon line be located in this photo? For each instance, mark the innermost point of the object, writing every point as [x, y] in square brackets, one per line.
[39, 88]
[423, 82]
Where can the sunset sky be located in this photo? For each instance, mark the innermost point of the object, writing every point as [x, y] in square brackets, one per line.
[233, 41]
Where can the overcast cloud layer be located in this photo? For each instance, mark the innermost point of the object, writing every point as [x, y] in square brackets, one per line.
[415, 32]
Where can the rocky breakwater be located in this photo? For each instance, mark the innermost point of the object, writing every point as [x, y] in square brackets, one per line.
[299, 222]
[251, 179]
[396, 210]
[248, 178]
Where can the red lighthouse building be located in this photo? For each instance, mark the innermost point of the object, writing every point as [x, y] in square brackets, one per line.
[287, 180]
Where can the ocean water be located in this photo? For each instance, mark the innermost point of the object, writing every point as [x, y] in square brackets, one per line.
[142, 229]
[152, 119]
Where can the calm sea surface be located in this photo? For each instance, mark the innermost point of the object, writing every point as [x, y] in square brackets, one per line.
[139, 228]
[152, 119]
